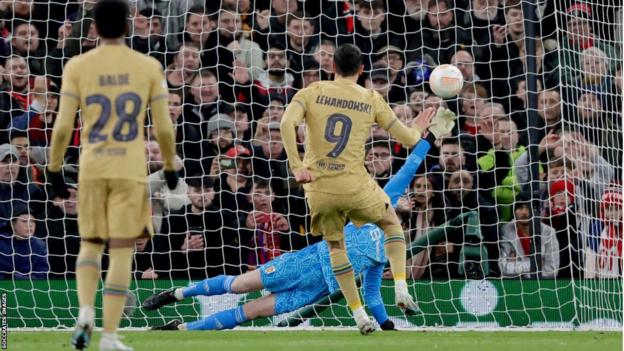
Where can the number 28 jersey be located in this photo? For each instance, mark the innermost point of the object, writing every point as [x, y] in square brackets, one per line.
[339, 115]
[113, 85]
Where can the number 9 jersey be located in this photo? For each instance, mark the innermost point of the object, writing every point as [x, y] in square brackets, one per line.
[339, 115]
[112, 85]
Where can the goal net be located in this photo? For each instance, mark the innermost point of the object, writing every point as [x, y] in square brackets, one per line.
[476, 257]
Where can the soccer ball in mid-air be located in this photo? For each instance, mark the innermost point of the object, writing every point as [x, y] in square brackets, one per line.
[446, 81]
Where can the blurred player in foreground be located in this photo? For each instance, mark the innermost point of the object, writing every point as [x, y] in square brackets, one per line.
[300, 278]
[338, 116]
[112, 85]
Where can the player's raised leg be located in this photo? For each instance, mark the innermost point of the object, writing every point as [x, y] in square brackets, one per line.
[395, 247]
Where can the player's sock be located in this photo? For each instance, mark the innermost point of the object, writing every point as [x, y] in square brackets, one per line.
[343, 271]
[116, 287]
[223, 320]
[212, 286]
[394, 244]
[88, 276]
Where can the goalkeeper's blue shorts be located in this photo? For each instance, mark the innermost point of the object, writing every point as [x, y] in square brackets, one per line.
[295, 278]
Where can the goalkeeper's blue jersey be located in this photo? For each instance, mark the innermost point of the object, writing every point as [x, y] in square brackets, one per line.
[365, 249]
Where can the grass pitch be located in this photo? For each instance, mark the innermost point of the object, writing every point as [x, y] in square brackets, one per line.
[335, 340]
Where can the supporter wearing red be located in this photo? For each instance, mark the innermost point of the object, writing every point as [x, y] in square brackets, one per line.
[604, 255]
[560, 214]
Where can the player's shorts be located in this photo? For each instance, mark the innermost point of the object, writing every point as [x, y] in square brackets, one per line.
[296, 281]
[330, 211]
[114, 209]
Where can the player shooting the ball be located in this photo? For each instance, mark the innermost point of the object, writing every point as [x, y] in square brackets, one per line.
[300, 278]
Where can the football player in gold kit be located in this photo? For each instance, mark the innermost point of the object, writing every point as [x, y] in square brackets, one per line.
[338, 116]
[112, 85]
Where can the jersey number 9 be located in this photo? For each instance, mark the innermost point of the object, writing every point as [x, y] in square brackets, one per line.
[125, 118]
[342, 138]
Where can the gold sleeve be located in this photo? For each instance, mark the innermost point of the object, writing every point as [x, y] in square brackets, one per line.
[385, 117]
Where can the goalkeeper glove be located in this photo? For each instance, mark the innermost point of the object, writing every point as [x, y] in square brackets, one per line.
[442, 123]
[171, 177]
[59, 188]
[387, 325]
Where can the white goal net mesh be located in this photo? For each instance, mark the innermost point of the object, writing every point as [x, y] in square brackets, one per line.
[233, 65]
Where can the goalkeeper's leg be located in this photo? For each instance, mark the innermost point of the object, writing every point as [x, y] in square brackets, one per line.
[395, 247]
[343, 271]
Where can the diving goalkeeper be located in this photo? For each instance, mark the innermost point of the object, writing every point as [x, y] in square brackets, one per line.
[300, 278]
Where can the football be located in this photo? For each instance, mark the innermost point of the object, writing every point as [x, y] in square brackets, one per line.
[446, 81]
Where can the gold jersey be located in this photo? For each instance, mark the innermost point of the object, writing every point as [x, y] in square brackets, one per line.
[112, 85]
[338, 116]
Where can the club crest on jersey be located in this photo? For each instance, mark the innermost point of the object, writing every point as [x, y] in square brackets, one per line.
[270, 269]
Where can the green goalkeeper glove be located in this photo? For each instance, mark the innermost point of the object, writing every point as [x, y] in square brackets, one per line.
[442, 123]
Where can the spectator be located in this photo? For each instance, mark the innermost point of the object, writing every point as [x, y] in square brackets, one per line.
[13, 187]
[184, 68]
[269, 161]
[579, 36]
[417, 100]
[202, 102]
[240, 116]
[270, 24]
[463, 196]
[597, 126]
[311, 73]
[517, 242]
[404, 113]
[33, 173]
[232, 35]
[549, 110]
[163, 199]
[471, 99]
[604, 252]
[301, 39]
[487, 115]
[25, 43]
[561, 215]
[379, 80]
[595, 77]
[221, 132]
[58, 226]
[267, 226]
[418, 213]
[324, 55]
[273, 113]
[370, 31]
[189, 143]
[234, 181]
[202, 240]
[392, 57]
[440, 38]
[22, 255]
[499, 177]
[147, 33]
[275, 80]
[38, 121]
[379, 160]
[14, 99]
[452, 158]
[465, 62]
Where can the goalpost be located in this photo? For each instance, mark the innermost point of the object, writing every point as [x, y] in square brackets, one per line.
[468, 273]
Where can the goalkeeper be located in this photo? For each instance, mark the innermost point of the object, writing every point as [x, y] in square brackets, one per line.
[300, 278]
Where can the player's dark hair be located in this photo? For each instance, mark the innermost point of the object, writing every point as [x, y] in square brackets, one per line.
[348, 59]
[452, 141]
[264, 183]
[111, 18]
[299, 15]
[372, 4]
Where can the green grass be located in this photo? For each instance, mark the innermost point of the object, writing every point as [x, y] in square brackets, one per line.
[336, 340]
